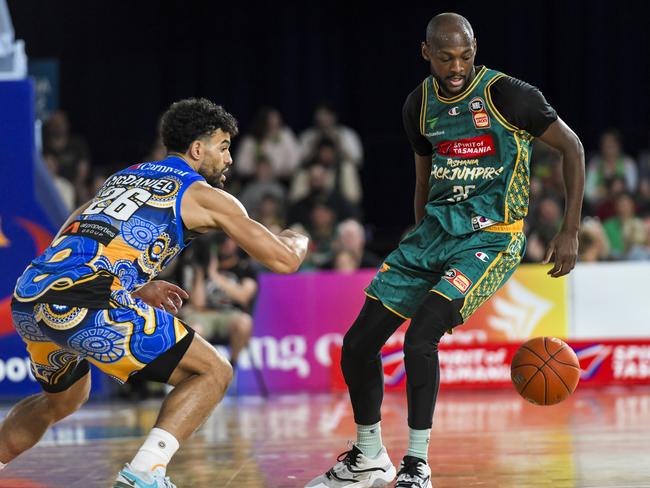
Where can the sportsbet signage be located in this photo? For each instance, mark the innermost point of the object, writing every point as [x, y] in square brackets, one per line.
[300, 321]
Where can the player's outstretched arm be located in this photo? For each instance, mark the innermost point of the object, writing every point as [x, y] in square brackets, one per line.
[564, 246]
[204, 208]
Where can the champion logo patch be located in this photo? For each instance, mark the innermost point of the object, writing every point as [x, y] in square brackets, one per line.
[482, 256]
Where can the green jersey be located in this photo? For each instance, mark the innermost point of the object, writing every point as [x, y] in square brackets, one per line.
[479, 159]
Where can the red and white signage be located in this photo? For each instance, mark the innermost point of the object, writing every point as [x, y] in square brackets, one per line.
[603, 363]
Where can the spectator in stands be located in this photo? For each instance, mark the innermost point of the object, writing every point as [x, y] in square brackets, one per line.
[625, 231]
[546, 167]
[270, 212]
[63, 185]
[222, 294]
[319, 194]
[593, 243]
[71, 152]
[342, 174]
[607, 207]
[351, 239]
[643, 198]
[326, 125]
[270, 137]
[608, 163]
[321, 228]
[547, 220]
[345, 261]
[264, 184]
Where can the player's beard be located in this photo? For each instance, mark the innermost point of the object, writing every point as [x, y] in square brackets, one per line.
[214, 179]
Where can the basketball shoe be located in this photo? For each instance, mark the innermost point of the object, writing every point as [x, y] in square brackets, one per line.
[413, 473]
[130, 478]
[358, 471]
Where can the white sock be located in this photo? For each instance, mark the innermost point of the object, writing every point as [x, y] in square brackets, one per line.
[156, 452]
[2, 466]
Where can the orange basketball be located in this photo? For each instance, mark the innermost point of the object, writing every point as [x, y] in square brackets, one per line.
[545, 370]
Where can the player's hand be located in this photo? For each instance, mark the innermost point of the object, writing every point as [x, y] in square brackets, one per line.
[563, 249]
[161, 294]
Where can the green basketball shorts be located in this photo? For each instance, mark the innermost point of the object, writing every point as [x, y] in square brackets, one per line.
[467, 270]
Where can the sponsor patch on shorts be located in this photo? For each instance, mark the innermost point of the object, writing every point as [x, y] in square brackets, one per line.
[458, 280]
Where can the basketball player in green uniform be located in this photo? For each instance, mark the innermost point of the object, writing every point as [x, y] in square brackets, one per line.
[471, 129]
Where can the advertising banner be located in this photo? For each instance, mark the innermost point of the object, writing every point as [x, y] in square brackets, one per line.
[603, 363]
[300, 319]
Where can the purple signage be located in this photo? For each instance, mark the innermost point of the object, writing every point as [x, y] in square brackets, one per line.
[297, 319]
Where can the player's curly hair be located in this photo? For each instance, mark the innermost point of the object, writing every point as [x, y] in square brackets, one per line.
[192, 118]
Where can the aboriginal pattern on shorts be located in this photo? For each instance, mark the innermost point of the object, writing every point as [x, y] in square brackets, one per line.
[120, 340]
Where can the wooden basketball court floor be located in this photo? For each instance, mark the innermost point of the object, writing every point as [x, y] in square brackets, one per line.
[597, 438]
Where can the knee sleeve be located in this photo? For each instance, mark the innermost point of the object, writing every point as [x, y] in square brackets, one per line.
[359, 370]
[360, 360]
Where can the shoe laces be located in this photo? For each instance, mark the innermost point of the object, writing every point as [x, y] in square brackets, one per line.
[348, 458]
[409, 471]
[167, 482]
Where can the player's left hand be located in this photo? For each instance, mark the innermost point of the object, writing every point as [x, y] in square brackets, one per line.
[161, 294]
[563, 249]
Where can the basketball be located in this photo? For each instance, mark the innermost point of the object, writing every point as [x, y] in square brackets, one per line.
[545, 370]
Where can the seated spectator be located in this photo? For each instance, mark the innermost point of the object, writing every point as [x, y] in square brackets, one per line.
[547, 169]
[270, 137]
[641, 252]
[345, 261]
[326, 125]
[607, 207]
[535, 250]
[71, 152]
[264, 184]
[643, 198]
[270, 213]
[625, 231]
[608, 163]
[301, 211]
[547, 220]
[342, 174]
[63, 185]
[351, 238]
[222, 294]
[593, 244]
[321, 228]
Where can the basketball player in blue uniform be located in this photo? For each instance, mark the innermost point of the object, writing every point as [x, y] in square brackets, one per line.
[90, 298]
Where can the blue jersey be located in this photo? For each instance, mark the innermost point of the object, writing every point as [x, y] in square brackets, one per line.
[130, 231]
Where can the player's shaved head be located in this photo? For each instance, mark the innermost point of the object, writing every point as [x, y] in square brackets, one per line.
[450, 49]
[448, 28]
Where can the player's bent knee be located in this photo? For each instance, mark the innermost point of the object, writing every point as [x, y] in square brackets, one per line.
[69, 401]
[221, 372]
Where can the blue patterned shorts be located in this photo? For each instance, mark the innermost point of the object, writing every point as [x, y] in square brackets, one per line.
[128, 338]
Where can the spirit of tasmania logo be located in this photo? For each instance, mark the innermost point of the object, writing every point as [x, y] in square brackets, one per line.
[473, 147]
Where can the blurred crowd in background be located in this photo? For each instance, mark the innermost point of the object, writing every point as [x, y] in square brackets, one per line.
[311, 182]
